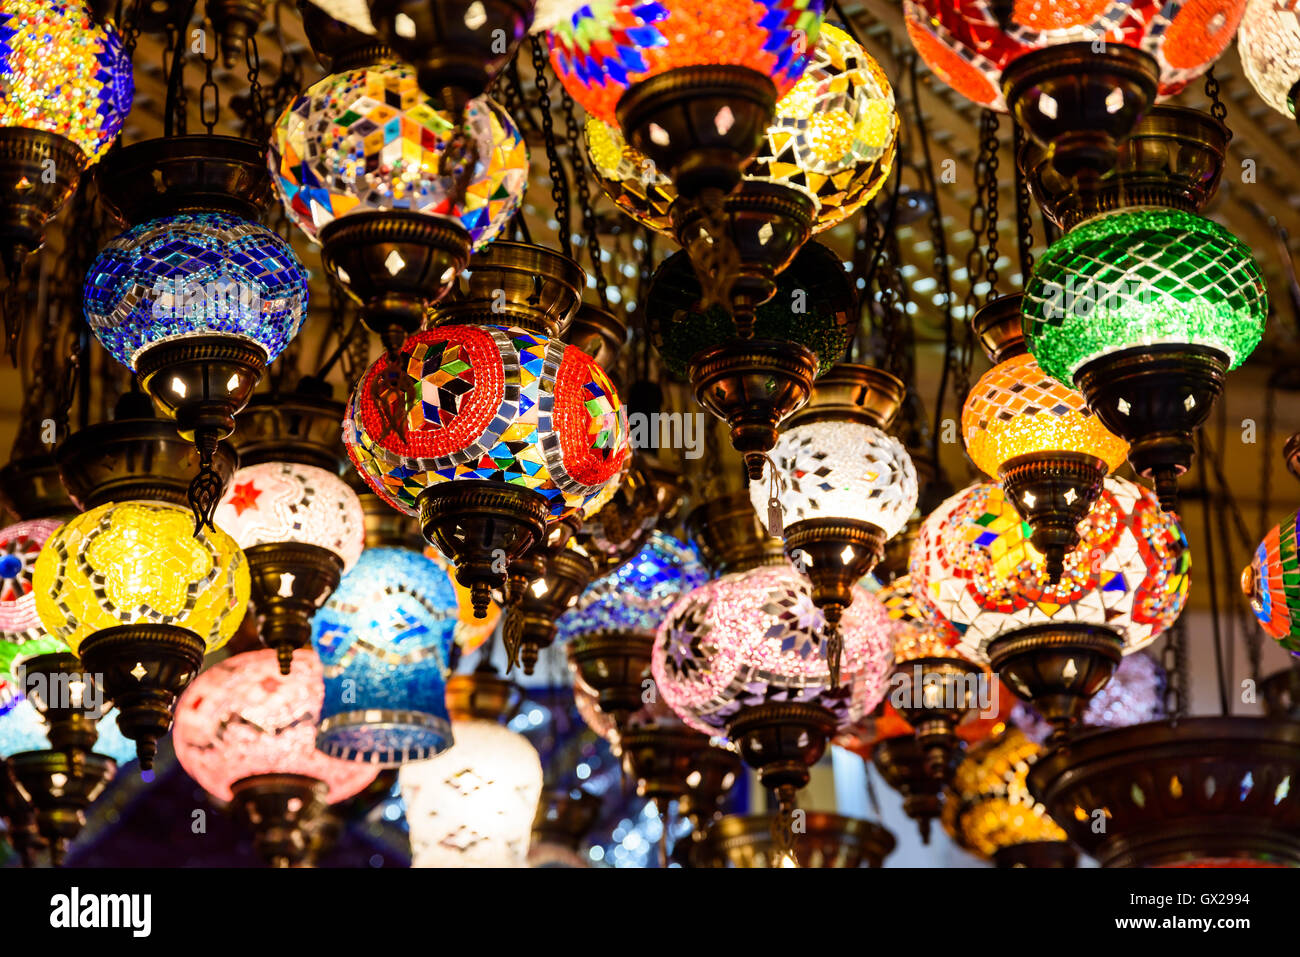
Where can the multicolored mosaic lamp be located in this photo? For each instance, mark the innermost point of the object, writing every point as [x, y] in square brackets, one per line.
[691, 85]
[1078, 75]
[1036, 436]
[610, 631]
[1143, 310]
[1268, 43]
[490, 434]
[833, 138]
[65, 90]
[1272, 583]
[301, 527]
[141, 598]
[20, 625]
[753, 384]
[246, 733]
[384, 638]
[839, 487]
[395, 189]
[1054, 644]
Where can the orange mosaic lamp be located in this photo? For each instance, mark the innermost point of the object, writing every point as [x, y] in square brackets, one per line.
[1036, 436]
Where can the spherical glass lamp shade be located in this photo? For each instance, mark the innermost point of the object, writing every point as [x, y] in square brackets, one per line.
[19, 545]
[140, 563]
[1142, 277]
[473, 806]
[195, 274]
[840, 470]
[756, 636]
[289, 502]
[241, 718]
[487, 403]
[637, 595]
[967, 43]
[63, 72]
[384, 638]
[23, 729]
[1268, 43]
[368, 140]
[833, 138]
[606, 46]
[1134, 695]
[974, 563]
[1017, 409]
[1272, 583]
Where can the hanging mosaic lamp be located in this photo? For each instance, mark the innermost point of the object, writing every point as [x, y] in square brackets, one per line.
[196, 297]
[246, 733]
[826, 840]
[1036, 436]
[65, 90]
[1272, 583]
[839, 487]
[1269, 46]
[384, 639]
[395, 188]
[753, 384]
[691, 86]
[1054, 644]
[1077, 77]
[489, 434]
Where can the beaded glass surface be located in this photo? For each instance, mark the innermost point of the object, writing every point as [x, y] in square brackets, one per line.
[811, 308]
[968, 43]
[637, 595]
[756, 636]
[140, 563]
[1134, 694]
[23, 729]
[289, 502]
[241, 717]
[19, 545]
[919, 630]
[63, 72]
[990, 806]
[973, 561]
[1142, 277]
[487, 403]
[606, 46]
[1268, 43]
[1016, 408]
[473, 805]
[1274, 582]
[833, 138]
[384, 638]
[840, 470]
[195, 274]
[369, 140]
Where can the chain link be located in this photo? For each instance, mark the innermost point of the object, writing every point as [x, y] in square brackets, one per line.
[1217, 108]
[578, 160]
[559, 180]
[209, 95]
[1172, 660]
[256, 120]
[1024, 221]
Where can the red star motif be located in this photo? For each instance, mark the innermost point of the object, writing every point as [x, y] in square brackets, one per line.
[245, 497]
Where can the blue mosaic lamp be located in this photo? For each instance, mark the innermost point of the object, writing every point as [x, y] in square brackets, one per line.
[384, 638]
[197, 304]
[610, 631]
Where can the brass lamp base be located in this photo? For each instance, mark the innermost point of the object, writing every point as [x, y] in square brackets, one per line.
[781, 740]
[482, 527]
[145, 667]
[1053, 492]
[31, 197]
[1155, 397]
[1049, 854]
[613, 665]
[395, 264]
[290, 580]
[1057, 668]
[1081, 101]
[542, 598]
[301, 426]
[903, 763]
[828, 840]
[700, 124]
[281, 810]
[20, 820]
[936, 695]
[64, 693]
[753, 385]
[516, 284]
[661, 758]
[59, 791]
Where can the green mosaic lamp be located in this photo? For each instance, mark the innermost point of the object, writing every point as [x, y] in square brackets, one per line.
[1144, 310]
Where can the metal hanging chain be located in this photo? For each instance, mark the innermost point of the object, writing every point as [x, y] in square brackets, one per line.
[990, 147]
[209, 95]
[1024, 220]
[1217, 108]
[578, 160]
[866, 337]
[128, 20]
[983, 222]
[559, 180]
[255, 120]
[1212, 573]
[1255, 635]
[1173, 660]
[176, 112]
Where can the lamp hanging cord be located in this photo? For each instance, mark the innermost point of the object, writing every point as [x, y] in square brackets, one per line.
[206, 487]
